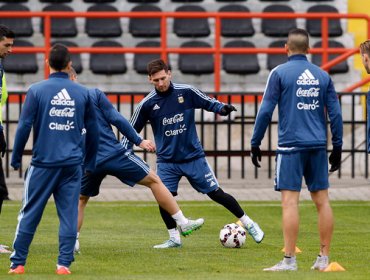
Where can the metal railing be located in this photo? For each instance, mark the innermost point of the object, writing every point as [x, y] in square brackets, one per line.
[217, 50]
[227, 140]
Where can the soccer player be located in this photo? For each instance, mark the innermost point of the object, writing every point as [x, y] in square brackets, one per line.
[170, 109]
[113, 159]
[6, 44]
[64, 125]
[305, 95]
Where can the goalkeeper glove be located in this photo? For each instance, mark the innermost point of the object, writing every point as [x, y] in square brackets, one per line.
[227, 109]
[256, 156]
[2, 143]
[335, 159]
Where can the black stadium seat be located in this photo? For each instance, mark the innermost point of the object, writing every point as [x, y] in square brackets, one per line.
[55, 1]
[196, 63]
[99, 1]
[274, 60]
[191, 27]
[143, 1]
[20, 26]
[75, 57]
[21, 63]
[186, 1]
[339, 68]
[103, 27]
[237, 27]
[313, 26]
[238, 63]
[141, 59]
[107, 64]
[60, 27]
[14, 1]
[145, 27]
[278, 27]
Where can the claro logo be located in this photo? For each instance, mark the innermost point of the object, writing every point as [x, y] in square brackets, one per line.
[308, 106]
[61, 126]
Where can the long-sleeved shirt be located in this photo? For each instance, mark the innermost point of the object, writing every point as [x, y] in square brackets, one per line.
[107, 115]
[171, 115]
[304, 94]
[60, 112]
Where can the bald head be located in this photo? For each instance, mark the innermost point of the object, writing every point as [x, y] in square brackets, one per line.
[298, 42]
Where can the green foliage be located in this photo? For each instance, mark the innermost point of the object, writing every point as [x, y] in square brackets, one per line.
[117, 239]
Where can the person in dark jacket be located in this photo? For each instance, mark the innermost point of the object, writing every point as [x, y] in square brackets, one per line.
[60, 112]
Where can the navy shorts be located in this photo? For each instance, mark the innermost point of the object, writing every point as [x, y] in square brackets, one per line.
[127, 167]
[292, 167]
[198, 172]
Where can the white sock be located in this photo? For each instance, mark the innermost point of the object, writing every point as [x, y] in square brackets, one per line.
[246, 220]
[174, 235]
[180, 218]
[60, 266]
[78, 235]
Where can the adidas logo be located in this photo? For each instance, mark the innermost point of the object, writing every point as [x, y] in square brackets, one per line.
[156, 107]
[62, 98]
[212, 184]
[306, 78]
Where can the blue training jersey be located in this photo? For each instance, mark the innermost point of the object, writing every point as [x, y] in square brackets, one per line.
[171, 115]
[107, 115]
[304, 94]
[60, 112]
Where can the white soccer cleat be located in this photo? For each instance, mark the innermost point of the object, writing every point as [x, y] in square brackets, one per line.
[4, 249]
[321, 263]
[190, 226]
[76, 249]
[256, 232]
[284, 265]
[168, 244]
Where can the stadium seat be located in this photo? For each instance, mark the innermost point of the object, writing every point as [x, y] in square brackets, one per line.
[143, 1]
[60, 27]
[103, 27]
[108, 64]
[236, 27]
[21, 63]
[273, 0]
[339, 68]
[75, 57]
[99, 1]
[313, 26]
[14, 1]
[240, 63]
[196, 63]
[55, 1]
[142, 59]
[191, 27]
[278, 27]
[20, 26]
[274, 60]
[145, 27]
[317, 0]
[186, 1]
[231, 1]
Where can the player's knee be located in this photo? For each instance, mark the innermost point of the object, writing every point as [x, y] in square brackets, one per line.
[216, 194]
[84, 199]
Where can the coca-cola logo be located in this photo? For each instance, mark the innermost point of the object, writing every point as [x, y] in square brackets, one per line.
[311, 92]
[62, 113]
[175, 119]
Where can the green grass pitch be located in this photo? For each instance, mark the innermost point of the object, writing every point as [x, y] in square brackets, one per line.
[117, 239]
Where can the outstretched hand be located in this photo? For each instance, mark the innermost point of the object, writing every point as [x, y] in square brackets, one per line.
[147, 145]
[227, 109]
[256, 155]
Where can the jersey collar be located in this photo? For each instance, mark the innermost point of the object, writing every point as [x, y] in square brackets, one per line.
[59, 75]
[297, 57]
[167, 92]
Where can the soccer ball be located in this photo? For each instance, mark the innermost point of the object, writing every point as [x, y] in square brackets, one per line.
[232, 236]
